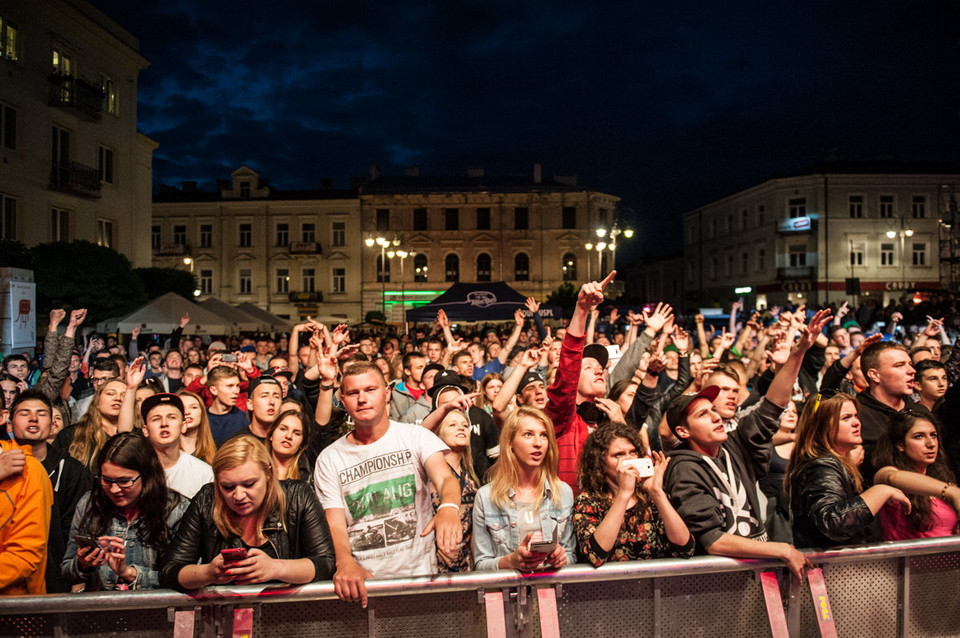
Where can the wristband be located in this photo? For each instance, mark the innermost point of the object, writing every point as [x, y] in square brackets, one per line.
[943, 492]
[326, 387]
[442, 505]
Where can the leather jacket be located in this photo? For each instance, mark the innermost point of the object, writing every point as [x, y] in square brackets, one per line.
[827, 510]
[305, 534]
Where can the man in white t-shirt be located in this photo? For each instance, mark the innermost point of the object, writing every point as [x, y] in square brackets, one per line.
[373, 485]
[162, 426]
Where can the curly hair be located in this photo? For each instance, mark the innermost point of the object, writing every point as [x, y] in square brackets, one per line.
[889, 452]
[593, 459]
[132, 452]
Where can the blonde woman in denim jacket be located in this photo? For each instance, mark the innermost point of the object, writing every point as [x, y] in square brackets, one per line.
[123, 525]
[525, 501]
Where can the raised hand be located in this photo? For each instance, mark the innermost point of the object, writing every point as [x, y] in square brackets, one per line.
[442, 319]
[658, 318]
[56, 316]
[184, 320]
[681, 339]
[532, 305]
[808, 336]
[591, 293]
[518, 317]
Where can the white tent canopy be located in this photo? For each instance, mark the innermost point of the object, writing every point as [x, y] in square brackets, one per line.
[268, 322]
[162, 316]
[242, 321]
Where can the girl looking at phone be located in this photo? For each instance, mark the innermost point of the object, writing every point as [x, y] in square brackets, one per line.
[622, 511]
[125, 522]
[525, 503]
[279, 526]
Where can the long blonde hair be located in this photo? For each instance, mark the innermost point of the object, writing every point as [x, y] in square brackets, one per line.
[466, 456]
[505, 475]
[89, 437]
[234, 453]
[206, 447]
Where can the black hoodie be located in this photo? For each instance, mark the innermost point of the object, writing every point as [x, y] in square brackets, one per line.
[696, 489]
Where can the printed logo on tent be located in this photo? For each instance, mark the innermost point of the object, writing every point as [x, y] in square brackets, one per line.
[481, 298]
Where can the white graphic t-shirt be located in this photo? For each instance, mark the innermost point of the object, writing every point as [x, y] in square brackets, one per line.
[382, 488]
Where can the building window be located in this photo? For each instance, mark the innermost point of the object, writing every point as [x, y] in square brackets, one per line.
[712, 228]
[105, 233]
[855, 206]
[8, 39]
[730, 228]
[155, 237]
[308, 233]
[420, 219]
[728, 267]
[8, 126]
[569, 267]
[60, 224]
[452, 267]
[420, 267]
[483, 219]
[744, 219]
[309, 280]
[744, 263]
[60, 156]
[105, 164]
[568, 217]
[798, 255]
[797, 207]
[714, 267]
[206, 235]
[521, 218]
[244, 190]
[761, 209]
[245, 235]
[483, 267]
[180, 235]
[110, 101]
[206, 282]
[857, 249]
[283, 234]
[383, 219]
[246, 281]
[338, 234]
[8, 220]
[886, 206]
[339, 283]
[919, 254]
[887, 253]
[383, 269]
[919, 206]
[451, 219]
[521, 267]
[283, 280]
[761, 259]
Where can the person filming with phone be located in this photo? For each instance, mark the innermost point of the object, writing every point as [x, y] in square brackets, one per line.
[249, 527]
[123, 525]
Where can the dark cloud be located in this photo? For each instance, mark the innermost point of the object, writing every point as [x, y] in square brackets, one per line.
[664, 104]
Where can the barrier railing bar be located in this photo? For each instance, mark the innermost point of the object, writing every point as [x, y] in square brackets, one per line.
[469, 581]
[821, 603]
[496, 620]
[657, 622]
[774, 602]
[903, 597]
[547, 605]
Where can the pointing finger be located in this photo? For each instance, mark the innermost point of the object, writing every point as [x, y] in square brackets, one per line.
[608, 279]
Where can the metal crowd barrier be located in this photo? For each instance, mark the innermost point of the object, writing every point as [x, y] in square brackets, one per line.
[890, 589]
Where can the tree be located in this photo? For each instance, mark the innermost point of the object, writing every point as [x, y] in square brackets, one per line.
[14, 254]
[565, 296]
[160, 281]
[81, 274]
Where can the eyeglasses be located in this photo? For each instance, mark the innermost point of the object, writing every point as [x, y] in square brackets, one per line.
[123, 482]
[99, 380]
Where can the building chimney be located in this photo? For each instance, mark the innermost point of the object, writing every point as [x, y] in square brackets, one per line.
[374, 171]
[475, 171]
[569, 179]
[412, 171]
[537, 173]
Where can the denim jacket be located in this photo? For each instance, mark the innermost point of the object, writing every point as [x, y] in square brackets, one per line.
[495, 531]
[142, 557]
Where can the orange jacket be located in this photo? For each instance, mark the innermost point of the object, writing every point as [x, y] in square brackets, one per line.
[25, 502]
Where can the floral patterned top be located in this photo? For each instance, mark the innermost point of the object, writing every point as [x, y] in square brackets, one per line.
[642, 535]
[468, 491]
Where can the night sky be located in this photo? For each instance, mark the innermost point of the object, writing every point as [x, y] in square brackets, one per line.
[666, 104]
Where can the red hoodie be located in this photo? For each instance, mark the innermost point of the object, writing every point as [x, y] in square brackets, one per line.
[571, 429]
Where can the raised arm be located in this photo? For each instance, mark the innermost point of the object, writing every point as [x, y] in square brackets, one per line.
[781, 388]
[513, 338]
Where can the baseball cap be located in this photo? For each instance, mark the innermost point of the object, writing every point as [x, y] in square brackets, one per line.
[679, 407]
[598, 352]
[433, 366]
[256, 383]
[528, 378]
[163, 398]
[277, 371]
[445, 379]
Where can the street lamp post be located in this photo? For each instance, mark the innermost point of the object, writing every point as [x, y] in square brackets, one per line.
[383, 242]
[402, 254]
[903, 233]
[189, 262]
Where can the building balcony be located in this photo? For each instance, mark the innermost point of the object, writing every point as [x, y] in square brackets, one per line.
[796, 272]
[173, 250]
[75, 178]
[305, 297]
[797, 226]
[305, 248]
[77, 94]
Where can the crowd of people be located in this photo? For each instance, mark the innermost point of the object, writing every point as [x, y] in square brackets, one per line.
[326, 455]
